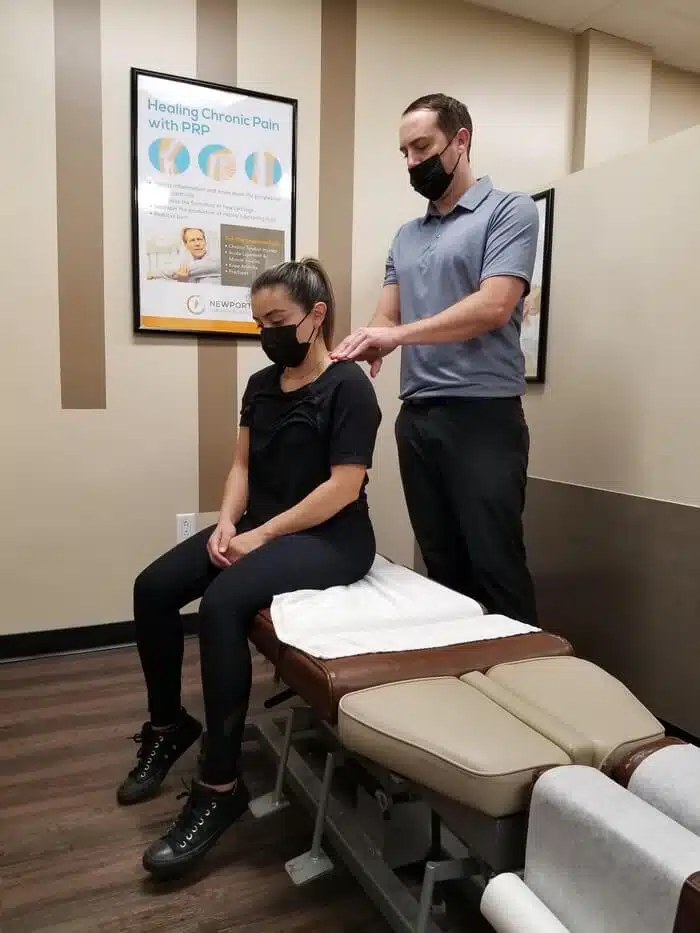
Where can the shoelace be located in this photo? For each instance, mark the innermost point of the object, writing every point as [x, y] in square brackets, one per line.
[146, 753]
[191, 818]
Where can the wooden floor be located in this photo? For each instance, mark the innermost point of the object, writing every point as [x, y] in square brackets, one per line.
[70, 858]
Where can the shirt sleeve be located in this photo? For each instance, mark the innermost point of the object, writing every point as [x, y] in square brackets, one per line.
[390, 276]
[247, 404]
[511, 243]
[355, 420]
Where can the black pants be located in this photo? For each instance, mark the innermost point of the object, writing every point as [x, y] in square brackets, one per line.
[338, 553]
[464, 470]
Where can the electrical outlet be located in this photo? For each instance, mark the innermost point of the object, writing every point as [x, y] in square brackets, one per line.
[185, 526]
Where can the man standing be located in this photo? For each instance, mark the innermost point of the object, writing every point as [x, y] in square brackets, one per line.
[452, 300]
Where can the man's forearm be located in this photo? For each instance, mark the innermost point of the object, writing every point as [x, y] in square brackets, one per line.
[383, 318]
[235, 498]
[388, 313]
[474, 315]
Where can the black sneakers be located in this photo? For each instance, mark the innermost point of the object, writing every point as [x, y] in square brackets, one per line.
[205, 817]
[158, 753]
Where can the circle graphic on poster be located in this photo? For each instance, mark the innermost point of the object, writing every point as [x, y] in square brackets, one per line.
[169, 156]
[217, 162]
[194, 304]
[263, 168]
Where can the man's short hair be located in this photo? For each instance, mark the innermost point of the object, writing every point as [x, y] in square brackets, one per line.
[186, 230]
[452, 114]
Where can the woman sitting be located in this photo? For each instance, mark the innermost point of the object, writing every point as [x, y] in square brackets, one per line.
[294, 516]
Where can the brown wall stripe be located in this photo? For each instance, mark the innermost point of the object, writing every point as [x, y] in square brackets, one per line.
[81, 320]
[338, 58]
[217, 26]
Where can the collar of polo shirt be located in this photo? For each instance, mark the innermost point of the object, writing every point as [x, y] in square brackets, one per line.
[470, 200]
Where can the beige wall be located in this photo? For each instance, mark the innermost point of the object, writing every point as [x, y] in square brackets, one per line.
[619, 409]
[613, 94]
[89, 495]
[675, 101]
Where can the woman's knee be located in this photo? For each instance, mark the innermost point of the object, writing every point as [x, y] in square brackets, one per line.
[215, 613]
[223, 643]
[223, 615]
[151, 589]
[175, 578]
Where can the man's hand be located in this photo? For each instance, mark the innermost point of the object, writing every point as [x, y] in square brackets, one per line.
[245, 543]
[183, 272]
[219, 543]
[369, 344]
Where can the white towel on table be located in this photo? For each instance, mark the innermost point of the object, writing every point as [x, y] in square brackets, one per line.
[603, 860]
[391, 609]
[668, 780]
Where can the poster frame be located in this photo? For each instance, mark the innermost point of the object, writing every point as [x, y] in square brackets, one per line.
[546, 195]
[135, 75]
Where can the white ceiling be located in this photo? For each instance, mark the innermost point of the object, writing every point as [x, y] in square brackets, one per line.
[670, 27]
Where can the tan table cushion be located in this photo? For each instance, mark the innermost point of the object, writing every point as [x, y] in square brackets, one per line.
[448, 736]
[584, 697]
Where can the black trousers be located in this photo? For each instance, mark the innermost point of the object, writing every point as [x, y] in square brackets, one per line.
[335, 554]
[464, 471]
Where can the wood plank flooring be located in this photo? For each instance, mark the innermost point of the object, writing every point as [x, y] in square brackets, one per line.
[70, 858]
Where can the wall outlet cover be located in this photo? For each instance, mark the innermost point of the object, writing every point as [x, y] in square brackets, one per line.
[186, 526]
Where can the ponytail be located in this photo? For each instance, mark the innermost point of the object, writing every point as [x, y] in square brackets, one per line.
[307, 283]
[326, 289]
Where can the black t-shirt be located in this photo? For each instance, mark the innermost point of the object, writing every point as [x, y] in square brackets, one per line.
[296, 437]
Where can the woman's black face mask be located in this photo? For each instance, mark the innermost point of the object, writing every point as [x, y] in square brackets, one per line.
[430, 178]
[281, 345]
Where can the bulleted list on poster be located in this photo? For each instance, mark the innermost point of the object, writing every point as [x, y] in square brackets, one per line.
[214, 206]
[248, 251]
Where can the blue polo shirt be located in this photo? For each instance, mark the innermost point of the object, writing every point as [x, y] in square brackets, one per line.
[437, 261]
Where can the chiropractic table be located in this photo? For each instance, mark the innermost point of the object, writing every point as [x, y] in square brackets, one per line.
[465, 755]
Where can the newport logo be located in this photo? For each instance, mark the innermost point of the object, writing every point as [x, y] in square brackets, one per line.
[194, 304]
[228, 304]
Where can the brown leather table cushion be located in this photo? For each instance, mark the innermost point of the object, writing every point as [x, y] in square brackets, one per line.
[688, 916]
[321, 683]
[623, 767]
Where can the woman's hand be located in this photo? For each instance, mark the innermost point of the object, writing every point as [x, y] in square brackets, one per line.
[219, 543]
[245, 543]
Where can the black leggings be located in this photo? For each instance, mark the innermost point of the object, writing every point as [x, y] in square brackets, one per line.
[338, 553]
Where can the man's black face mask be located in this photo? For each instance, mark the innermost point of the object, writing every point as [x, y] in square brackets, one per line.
[430, 178]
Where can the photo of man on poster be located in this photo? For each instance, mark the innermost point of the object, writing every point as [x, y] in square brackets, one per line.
[196, 263]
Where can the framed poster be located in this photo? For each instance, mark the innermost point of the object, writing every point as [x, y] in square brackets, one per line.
[533, 335]
[213, 201]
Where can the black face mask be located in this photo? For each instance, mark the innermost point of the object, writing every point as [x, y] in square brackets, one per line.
[430, 177]
[281, 344]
